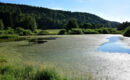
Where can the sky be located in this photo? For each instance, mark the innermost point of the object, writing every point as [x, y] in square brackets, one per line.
[113, 10]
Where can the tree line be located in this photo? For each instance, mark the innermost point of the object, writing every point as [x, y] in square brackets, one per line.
[25, 20]
[47, 18]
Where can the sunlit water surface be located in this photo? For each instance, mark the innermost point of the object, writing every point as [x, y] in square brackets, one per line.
[75, 53]
[114, 45]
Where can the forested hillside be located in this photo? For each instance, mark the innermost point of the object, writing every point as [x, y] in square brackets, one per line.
[30, 17]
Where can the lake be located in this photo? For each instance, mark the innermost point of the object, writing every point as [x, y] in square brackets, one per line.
[75, 53]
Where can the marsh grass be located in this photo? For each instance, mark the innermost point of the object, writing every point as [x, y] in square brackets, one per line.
[3, 59]
[25, 72]
[12, 37]
[8, 72]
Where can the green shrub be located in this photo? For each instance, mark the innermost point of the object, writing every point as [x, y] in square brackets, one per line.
[127, 32]
[103, 31]
[63, 31]
[90, 31]
[27, 32]
[108, 31]
[113, 31]
[19, 30]
[76, 31]
[23, 32]
[43, 32]
[9, 31]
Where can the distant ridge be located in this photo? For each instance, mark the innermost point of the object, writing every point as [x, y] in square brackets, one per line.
[53, 19]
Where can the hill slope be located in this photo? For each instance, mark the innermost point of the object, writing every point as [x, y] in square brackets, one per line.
[53, 19]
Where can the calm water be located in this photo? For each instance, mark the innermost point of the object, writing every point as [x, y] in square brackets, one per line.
[114, 46]
[75, 53]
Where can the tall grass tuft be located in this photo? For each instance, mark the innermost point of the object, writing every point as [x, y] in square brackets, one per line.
[15, 72]
[48, 75]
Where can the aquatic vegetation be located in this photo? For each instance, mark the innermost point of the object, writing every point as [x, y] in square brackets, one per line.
[40, 40]
[37, 40]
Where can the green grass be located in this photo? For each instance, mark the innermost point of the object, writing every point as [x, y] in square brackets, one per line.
[11, 37]
[10, 71]
[14, 72]
[53, 31]
[48, 31]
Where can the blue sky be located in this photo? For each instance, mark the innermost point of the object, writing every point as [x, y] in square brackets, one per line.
[114, 10]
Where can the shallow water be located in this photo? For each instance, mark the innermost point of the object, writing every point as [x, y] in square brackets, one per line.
[114, 46]
[73, 53]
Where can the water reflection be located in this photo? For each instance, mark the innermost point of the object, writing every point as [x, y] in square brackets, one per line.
[114, 46]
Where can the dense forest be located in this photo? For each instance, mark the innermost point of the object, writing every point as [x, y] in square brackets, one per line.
[18, 16]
